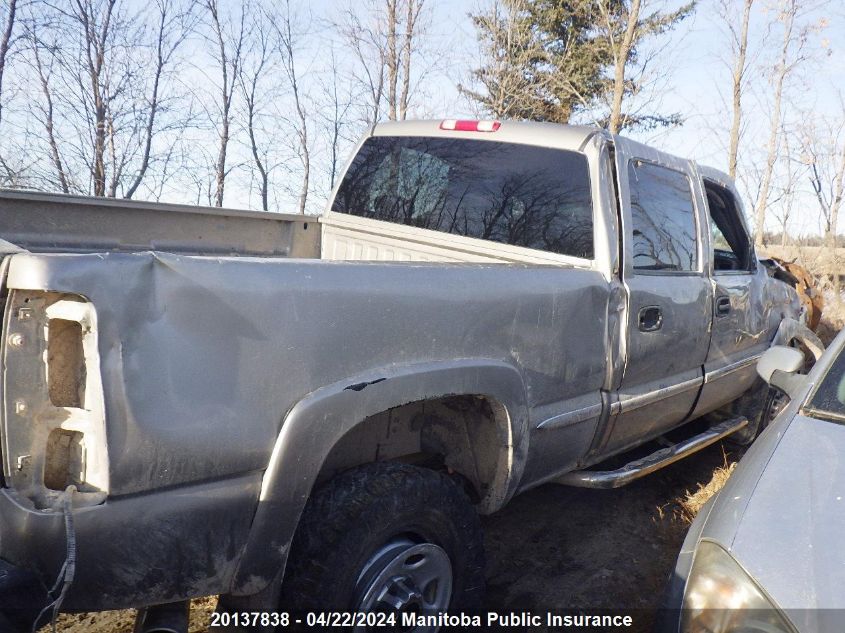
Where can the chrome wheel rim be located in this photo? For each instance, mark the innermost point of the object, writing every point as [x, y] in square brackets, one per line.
[404, 577]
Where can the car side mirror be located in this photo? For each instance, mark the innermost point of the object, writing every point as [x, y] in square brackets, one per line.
[779, 366]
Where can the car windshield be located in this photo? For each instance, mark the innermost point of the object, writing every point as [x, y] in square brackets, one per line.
[829, 399]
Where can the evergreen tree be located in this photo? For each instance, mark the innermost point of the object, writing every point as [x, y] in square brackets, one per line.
[543, 59]
[547, 60]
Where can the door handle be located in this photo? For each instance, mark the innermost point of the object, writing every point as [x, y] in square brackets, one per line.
[650, 318]
[723, 306]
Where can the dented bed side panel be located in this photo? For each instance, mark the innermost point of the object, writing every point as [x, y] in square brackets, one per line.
[202, 359]
[137, 550]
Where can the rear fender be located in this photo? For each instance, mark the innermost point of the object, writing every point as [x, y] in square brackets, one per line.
[316, 423]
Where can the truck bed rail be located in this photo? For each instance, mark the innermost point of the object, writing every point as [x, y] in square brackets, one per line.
[47, 222]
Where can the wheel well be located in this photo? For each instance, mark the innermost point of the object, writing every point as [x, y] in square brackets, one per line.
[467, 435]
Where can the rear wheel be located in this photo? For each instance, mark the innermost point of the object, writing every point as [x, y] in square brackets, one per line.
[760, 405]
[388, 538]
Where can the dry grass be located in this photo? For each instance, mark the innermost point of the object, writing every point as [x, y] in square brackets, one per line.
[124, 621]
[833, 319]
[691, 502]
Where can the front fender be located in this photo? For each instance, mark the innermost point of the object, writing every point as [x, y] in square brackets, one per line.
[317, 422]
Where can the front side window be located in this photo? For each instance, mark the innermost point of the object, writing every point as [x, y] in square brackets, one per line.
[731, 245]
[523, 195]
[663, 219]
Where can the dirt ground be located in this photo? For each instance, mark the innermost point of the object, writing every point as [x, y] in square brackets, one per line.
[569, 548]
[559, 548]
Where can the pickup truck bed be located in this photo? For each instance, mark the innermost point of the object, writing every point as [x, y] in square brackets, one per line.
[162, 307]
[48, 223]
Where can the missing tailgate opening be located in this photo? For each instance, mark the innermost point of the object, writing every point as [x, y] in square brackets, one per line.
[65, 364]
[64, 460]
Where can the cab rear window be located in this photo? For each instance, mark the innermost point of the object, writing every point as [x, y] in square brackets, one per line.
[523, 195]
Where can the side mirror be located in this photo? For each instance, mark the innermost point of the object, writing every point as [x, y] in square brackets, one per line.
[779, 365]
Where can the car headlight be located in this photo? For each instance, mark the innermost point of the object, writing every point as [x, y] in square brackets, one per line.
[720, 597]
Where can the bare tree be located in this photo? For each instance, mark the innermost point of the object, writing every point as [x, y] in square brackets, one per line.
[412, 15]
[625, 27]
[228, 39]
[621, 53]
[258, 62]
[391, 56]
[790, 55]
[334, 115]
[387, 40]
[823, 152]
[174, 25]
[5, 43]
[47, 109]
[794, 170]
[8, 20]
[96, 31]
[364, 42]
[781, 71]
[101, 70]
[739, 49]
[287, 40]
[399, 56]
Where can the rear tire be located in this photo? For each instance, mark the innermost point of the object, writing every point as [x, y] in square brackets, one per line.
[760, 405]
[386, 537]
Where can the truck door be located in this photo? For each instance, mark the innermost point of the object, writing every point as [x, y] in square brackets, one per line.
[669, 294]
[739, 333]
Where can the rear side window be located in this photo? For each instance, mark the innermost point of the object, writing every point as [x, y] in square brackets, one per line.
[523, 195]
[663, 219]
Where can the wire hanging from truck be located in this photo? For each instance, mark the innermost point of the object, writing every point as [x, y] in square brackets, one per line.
[68, 570]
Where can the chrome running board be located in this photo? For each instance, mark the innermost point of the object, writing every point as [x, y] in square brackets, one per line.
[650, 463]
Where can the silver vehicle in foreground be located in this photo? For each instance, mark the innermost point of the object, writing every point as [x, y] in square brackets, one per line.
[767, 554]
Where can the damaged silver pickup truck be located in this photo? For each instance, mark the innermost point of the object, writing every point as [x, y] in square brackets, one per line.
[308, 414]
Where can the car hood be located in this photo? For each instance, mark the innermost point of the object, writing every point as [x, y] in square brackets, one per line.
[791, 536]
